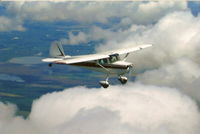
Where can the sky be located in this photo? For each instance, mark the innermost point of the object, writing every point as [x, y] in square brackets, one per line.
[163, 99]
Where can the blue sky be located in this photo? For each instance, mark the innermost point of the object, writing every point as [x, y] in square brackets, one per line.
[194, 6]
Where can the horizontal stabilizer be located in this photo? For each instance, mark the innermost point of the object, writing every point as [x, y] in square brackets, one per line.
[50, 60]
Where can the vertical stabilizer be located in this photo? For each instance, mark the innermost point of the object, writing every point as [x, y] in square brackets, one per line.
[56, 50]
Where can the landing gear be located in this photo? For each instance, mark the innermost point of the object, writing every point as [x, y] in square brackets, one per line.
[104, 84]
[50, 64]
[123, 79]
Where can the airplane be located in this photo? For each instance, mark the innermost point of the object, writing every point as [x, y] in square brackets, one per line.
[110, 62]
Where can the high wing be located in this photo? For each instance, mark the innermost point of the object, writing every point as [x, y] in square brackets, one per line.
[127, 50]
[92, 57]
[76, 59]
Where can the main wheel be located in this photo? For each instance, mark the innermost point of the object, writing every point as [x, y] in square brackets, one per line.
[104, 84]
[50, 64]
[123, 79]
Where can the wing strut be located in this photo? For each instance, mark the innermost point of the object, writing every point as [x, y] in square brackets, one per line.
[62, 54]
[103, 67]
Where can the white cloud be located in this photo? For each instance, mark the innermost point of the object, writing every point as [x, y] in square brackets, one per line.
[95, 33]
[75, 39]
[141, 13]
[133, 108]
[183, 74]
[28, 60]
[7, 24]
[7, 77]
[174, 57]
[87, 12]
[174, 36]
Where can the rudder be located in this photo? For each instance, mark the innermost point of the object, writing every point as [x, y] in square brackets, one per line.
[56, 50]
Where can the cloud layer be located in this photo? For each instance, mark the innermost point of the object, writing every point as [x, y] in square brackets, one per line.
[10, 24]
[134, 108]
[87, 12]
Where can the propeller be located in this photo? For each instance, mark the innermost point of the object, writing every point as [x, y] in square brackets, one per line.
[131, 72]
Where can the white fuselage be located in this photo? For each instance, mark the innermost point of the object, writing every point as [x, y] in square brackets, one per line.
[117, 68]
[111, 66]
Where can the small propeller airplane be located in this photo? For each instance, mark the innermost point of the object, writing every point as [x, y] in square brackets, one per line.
[109, 62]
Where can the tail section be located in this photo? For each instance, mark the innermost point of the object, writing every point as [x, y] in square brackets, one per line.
[56, 50]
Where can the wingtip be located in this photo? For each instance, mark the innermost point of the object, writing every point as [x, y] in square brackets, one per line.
[147, 45]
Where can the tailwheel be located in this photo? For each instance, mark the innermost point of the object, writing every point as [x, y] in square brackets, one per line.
[123, 79]
[50, 64]
[104, 84]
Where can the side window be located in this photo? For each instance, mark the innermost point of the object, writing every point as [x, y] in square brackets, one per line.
[105, 61]
[101, 61]
[113, 58]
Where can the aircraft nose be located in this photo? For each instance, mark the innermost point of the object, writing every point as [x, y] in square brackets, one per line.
[129, 67]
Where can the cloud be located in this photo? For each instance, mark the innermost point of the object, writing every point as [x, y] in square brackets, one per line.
[94, 34]
[75, 39]
[94, 11]
[137, 14]
[174, 36]
[133, 108]
[173, 60]
[8, 24]
[183, 74]
[86, 12]
[150, 12]
[28, 60]
[7, 77]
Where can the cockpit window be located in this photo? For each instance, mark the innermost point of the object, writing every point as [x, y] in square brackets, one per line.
[103, 61]
[113, 58]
